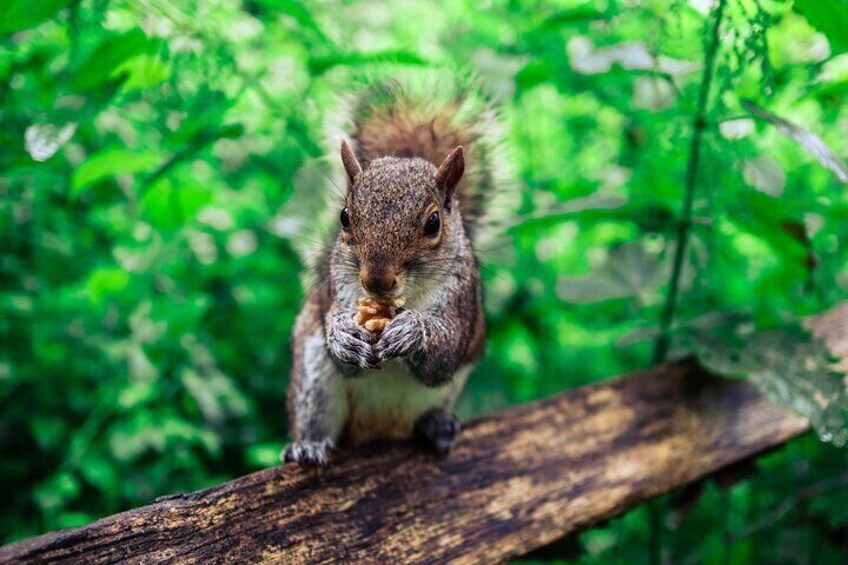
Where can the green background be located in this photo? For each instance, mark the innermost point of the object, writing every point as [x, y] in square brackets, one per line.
[153, 154]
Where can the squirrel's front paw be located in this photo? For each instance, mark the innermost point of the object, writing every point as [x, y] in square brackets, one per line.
[403, 335]
[309, 453]
[350, 343]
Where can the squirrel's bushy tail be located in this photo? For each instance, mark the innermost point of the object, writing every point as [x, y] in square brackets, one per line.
[427, 115]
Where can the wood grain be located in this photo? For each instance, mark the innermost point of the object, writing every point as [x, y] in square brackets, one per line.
[516, 481]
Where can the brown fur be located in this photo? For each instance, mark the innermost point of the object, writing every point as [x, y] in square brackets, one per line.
[389, 120]
[383, 249]
[403, 132]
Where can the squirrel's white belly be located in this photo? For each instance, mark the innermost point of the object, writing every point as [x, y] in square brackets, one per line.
[385, 403]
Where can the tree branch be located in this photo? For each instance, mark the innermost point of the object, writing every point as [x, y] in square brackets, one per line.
[516, 481]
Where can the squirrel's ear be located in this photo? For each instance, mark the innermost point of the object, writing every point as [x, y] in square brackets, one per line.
[449, 173]
[351, 165]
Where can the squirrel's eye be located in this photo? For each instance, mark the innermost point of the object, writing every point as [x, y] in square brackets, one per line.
[431, 228]
[344, 217]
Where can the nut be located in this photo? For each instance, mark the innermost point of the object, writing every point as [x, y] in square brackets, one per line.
[374, 314]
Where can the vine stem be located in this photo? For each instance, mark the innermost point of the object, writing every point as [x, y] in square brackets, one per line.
[685, 225]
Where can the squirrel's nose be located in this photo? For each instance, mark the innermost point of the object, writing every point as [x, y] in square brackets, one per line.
[378, 281]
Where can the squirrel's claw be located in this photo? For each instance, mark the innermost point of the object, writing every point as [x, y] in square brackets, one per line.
[357, 353]
[403, 335]
[351, 344]
[309, 453]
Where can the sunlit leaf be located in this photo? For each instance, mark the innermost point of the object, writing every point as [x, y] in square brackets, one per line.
[106, 282]
[110, 162]
[143, 71]
[805, 138]
[108, 56]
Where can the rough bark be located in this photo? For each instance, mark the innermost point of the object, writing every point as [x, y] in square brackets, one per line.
[516, 481]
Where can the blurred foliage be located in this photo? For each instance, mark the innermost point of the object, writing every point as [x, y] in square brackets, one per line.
[149, 278]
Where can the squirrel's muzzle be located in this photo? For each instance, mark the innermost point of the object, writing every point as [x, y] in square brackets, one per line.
[381, 281]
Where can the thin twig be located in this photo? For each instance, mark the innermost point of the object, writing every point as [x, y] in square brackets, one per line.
[684, 227]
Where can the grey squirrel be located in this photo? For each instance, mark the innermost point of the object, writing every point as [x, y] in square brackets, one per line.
[419, 166]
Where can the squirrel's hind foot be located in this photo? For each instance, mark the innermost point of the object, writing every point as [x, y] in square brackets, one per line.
[309, 453]
[438, 430]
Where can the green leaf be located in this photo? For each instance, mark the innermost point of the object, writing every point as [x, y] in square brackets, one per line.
[790, 368]
[136, 394]
[104, 283]
[18, 15]
[833, 92]
[298, 12]
[320, 65]
[110, 162]
[631, 271]
[805, 138]
[229, 131]
[565, 17]
[109, 55]
[829, 17]
[169, 205]
[143, 71]
[57, 491]
[534, 74]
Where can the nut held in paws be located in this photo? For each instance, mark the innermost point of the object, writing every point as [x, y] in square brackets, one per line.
[374, 314]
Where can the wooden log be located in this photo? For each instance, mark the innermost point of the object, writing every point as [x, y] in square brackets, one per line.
[516, 481]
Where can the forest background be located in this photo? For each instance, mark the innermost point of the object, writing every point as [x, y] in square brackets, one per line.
[681, 182]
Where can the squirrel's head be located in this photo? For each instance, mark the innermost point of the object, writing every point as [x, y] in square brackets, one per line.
[399, 219]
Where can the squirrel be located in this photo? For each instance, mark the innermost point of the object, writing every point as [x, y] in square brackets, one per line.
[419, 166]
